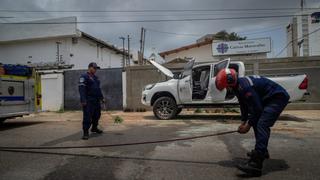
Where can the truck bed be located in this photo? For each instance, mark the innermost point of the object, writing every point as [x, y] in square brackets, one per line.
[292, 84]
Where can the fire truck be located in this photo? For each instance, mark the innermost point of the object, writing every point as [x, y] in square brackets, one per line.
[19, 91]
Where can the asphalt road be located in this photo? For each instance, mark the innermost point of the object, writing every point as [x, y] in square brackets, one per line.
[294, 148]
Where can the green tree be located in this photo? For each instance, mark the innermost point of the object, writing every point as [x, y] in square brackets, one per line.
[224, 35]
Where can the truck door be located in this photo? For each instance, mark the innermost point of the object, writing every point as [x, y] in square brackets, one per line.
[185, 84]
[215, 94]
[12, 90]
[13, 93]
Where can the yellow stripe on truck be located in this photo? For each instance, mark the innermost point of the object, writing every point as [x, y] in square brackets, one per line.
[13, 77]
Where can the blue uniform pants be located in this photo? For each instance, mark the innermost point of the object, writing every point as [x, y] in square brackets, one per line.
[271, 111]
[91, 114]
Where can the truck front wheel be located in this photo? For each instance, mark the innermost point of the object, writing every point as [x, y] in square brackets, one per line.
[165, 108]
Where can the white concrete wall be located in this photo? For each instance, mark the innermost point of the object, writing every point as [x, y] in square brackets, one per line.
[124, 90]
[35, 51]
[204, 54]
[86, 51]
[52, 91]
[314, 38]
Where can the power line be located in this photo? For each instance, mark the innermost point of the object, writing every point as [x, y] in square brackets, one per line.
[297, 39]
[264, 28]
[198, 35]
[156, 15]
[160, 20]
[173, 33]
[247, 32]
[163, 10]
[259, 32]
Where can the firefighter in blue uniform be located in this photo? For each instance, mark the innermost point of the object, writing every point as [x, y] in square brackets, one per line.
[90, 97]
[261, 102]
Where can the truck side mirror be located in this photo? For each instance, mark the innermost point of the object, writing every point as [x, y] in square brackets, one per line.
[176, 76]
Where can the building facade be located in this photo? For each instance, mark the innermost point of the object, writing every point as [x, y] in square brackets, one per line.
[303, 35]
[41, 42]
[52, 43]
[204, 50]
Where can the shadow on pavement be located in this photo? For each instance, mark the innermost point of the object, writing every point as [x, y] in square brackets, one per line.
[288, 117]
[269, 166]
[73, 137]
[7, 125]
[110, 157]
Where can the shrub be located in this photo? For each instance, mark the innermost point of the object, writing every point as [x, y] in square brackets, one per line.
[118, 120]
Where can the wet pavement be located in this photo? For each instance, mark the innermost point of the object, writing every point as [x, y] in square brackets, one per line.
[294, 147]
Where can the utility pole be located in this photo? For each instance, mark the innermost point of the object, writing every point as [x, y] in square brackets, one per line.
[142, 42]
[123, 51]
[302, 3]
[140, 51]
[128, 60]
[144, 38]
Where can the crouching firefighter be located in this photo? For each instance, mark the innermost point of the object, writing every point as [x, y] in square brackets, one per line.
[261, 102]
[90, 97]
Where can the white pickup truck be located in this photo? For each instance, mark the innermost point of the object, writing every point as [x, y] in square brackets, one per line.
[195, 87]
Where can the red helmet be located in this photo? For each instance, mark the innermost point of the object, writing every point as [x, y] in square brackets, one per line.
[226, 78]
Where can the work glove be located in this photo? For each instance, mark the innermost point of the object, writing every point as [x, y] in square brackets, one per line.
[244, 128]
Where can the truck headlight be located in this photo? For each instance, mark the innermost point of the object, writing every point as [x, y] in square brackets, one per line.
[149, 86]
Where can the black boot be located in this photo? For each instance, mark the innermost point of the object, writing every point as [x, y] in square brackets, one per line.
[85, 135]
[254, 166]
[266, 155]
[96, 130]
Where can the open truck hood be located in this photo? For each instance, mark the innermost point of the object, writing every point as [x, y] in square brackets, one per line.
[163, 69]
[187, 68]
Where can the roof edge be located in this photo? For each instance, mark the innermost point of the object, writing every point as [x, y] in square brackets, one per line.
[101, 42]
[183, 48]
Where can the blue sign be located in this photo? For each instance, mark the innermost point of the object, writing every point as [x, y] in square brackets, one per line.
[222, 48]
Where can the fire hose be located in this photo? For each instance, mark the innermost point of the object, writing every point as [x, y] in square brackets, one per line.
[113, 145]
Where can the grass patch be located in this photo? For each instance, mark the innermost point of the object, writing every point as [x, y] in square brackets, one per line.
[198, 110]
[118, 120]
[231, 110]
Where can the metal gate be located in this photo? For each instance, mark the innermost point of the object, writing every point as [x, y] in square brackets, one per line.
[111, 86]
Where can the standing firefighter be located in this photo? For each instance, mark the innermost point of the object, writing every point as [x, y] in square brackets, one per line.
[261, 102]
[90, 97]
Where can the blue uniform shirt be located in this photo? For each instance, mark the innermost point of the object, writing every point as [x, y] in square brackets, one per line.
[253, 92]
[89, 88]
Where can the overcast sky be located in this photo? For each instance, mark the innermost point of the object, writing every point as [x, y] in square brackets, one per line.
[156, 41]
